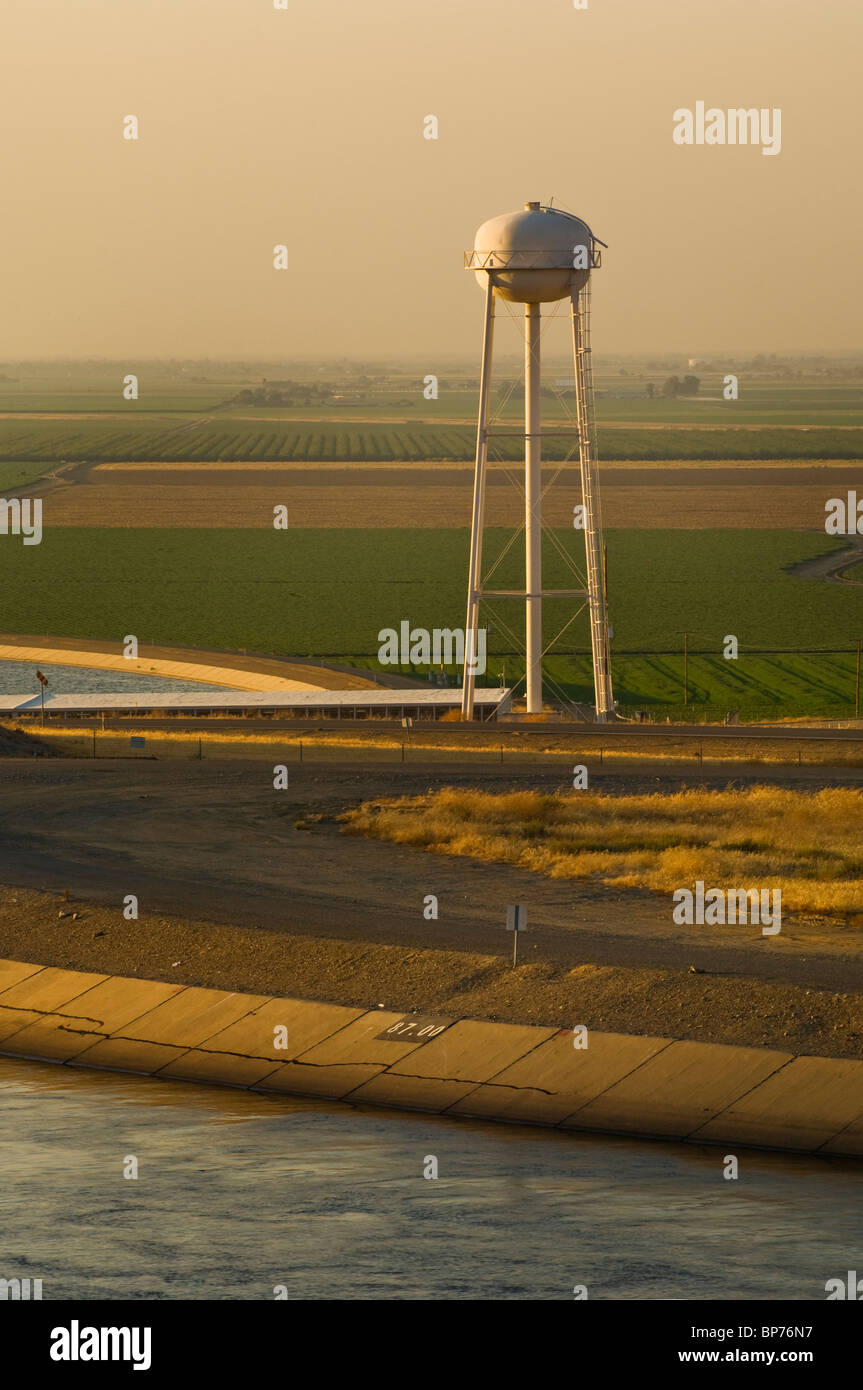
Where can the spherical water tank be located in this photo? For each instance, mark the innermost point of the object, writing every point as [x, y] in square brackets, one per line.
[535, 254]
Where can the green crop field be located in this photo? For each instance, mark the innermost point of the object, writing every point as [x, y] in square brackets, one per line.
[16, 475]
[805, 407]
[87, 386]
[823, 406]
[775, 393]
[328, 593]
[208, 439]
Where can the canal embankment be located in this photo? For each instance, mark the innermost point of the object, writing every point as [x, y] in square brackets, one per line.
[569, 1078]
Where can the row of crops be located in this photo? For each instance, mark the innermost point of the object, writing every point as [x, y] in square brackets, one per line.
[64, 441]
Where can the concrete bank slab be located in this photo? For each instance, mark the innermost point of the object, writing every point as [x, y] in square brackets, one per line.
[247, 1051]
[12, 972]
[192, 1016]
[434, 1094]
[37, 994]
[117, 1002]
[473, 1051]
[661, 1087]
[218, 1068]
[445, 1070]
[307, 1025]
[89, 1017]
[847, 1141]
[51, 1037]
[13, 1020]
[342, 1062]
[160, 1035]
[557, 1078]
[126, 1054]
[680, 1089]
[48, 989]
[804, 1106]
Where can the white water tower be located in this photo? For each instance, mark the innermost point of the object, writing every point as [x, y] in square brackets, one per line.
[534, 257]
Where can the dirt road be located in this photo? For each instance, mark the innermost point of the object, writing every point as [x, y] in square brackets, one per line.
[215, 841]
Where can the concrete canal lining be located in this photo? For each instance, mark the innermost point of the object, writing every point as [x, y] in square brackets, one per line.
[620, 1084]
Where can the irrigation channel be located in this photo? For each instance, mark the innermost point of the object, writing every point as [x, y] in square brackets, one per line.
[237, 1194]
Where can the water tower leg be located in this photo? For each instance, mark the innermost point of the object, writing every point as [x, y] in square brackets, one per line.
[590, 498]
[474, 583]
[532, 509]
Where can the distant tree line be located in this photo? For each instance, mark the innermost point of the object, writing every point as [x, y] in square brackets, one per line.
[284, 393]
[674, 386]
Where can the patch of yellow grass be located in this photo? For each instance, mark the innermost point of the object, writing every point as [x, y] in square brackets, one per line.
[809, 845]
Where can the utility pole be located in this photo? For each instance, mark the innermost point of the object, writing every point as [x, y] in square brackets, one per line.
[857, 685]
[686, 668]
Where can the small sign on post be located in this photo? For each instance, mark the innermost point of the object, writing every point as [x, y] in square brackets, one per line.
[516, 921]
[43, 681]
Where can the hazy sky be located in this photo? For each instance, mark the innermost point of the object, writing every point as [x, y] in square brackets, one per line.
[305, 127]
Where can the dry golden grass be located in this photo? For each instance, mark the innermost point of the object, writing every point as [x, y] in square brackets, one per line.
[807, 845]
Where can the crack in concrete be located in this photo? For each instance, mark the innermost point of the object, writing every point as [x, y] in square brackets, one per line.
[52, 1013]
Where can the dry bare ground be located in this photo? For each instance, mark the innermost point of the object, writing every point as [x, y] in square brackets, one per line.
[786, 509]
[248, 497]
[668, 1003]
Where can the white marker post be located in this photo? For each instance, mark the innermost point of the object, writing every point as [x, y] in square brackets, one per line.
[516, 921]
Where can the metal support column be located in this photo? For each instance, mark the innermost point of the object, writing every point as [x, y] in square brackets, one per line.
[474, 583]
[590, 498]
[532, 510]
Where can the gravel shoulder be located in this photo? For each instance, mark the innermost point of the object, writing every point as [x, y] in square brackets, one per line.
[243, 888]
[705, 1007]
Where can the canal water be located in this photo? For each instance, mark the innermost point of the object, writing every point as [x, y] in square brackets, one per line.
[19, 678]
[237, 1194]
